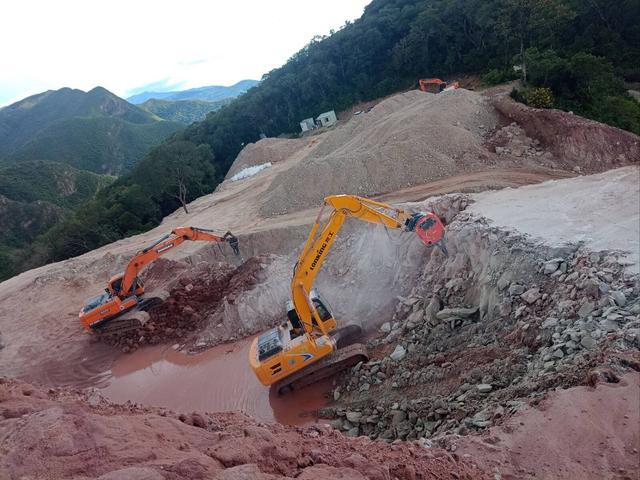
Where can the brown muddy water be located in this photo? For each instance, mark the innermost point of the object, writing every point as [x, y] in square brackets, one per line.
[218, 380]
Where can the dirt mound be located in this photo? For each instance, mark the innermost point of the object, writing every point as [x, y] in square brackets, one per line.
[272, 150]
[193, 297]
[405, 140]
[59, 433]
[589, 145]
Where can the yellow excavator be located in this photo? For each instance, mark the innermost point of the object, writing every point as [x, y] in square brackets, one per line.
[308, 346]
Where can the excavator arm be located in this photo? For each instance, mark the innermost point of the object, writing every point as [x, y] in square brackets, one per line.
[163, 245]
[427, 225]
[309, 346]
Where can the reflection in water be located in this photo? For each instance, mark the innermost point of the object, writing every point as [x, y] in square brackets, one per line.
[217, 380]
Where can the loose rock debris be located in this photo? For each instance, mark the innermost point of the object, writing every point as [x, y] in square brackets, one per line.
[491, 329]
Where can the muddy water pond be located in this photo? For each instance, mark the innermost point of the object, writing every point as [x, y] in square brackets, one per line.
[217, 380]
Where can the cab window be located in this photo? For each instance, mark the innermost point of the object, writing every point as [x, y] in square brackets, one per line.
[322, 310]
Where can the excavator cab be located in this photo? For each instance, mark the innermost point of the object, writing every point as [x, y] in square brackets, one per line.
[296, 328]
[95, 302]
[115, 285]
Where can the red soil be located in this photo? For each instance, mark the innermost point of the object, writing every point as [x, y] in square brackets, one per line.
[583, 432]
[60, 433]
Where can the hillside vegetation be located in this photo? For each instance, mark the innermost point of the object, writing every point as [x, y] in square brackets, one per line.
[579, 50]
[57, 150]
[35, 196]
[95, 131]
[56, 183]
[182, 111]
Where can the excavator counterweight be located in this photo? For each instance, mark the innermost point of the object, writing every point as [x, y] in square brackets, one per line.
[309, 346]
[123, 306]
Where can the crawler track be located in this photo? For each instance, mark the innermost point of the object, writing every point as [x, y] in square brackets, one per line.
[341, 359]
[133, 319]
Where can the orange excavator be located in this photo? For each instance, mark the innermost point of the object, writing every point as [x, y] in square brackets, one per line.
[435, 85]
[309, 346]
[124, 305]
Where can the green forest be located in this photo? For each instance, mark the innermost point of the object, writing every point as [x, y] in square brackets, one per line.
[573, 55]
[182, 111]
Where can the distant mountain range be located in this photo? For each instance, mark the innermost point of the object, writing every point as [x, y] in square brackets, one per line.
[96, 130]
[211, 93]
[57, 150]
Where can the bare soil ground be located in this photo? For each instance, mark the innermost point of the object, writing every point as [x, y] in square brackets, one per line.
[408, 148]
[561, 211]
[52, 433]
[586, 432]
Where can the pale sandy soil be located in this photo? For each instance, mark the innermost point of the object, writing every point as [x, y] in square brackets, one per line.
[602, 211]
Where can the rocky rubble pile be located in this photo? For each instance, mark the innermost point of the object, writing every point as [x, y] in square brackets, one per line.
[194, 296]
[495, 326]
[512, 140]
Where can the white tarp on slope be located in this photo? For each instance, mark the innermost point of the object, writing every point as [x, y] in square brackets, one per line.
[249, 171]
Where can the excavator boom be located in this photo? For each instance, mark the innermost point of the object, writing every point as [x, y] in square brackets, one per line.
[298, 351]
[317, 245]
[163, 245]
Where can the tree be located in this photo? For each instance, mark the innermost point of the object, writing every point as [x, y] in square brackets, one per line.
[176, 174]
[181, 182]
[526, 20]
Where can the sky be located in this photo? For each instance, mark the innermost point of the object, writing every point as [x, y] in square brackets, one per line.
[136, 45]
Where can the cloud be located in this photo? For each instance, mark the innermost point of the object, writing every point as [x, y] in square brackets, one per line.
[195, 62]
[165, 85]
[79, 44]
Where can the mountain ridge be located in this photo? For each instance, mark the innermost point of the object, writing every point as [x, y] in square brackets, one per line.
[207, 93]
[183, 111]
[94, 130]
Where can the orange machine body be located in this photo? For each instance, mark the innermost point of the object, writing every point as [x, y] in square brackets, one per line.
[436, 85]
[125, 290]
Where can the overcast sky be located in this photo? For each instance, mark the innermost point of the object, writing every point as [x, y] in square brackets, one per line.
[134, 45]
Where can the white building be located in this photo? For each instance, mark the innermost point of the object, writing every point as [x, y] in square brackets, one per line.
[327, 119]
[307, 124]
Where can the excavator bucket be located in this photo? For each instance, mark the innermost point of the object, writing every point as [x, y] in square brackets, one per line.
[429, 228]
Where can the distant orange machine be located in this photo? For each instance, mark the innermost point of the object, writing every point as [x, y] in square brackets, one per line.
[436, 85]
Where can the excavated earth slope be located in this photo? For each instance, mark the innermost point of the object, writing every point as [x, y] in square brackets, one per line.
[514, 312]
[409, 147]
